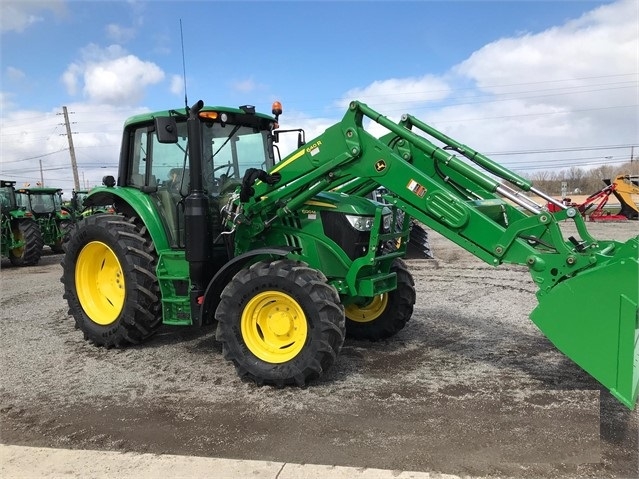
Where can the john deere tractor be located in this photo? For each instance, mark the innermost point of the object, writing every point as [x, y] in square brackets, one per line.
[288, 257]
[20, 234]
[46, 206]
[76, 208]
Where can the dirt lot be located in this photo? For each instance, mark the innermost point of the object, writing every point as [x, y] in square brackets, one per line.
[469, 387]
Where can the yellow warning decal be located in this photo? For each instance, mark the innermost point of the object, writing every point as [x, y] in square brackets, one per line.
[290, 160]
[320, 204]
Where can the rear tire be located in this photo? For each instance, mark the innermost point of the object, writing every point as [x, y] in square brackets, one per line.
[280, 323]
[384, 315]
[28, 255]
[109, 281]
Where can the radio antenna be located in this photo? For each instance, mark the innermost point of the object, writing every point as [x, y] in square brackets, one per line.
[186, 102]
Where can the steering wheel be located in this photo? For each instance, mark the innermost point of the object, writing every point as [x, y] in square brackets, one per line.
[228, 167]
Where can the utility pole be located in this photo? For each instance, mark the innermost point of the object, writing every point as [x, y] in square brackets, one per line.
[41, 174]
[74, 165]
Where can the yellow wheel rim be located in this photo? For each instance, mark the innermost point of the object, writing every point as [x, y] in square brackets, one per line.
[99, 282]
[274, 327]
[18, 236]
[369, 312]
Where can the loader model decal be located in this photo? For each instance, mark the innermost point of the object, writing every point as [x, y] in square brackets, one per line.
[314, 148]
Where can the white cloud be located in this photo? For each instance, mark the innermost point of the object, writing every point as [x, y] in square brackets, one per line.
[112, 82]
[177, 85]
[17, 16]
[573, 85]
[119, 34]
[97, 133]
[121, 81]
[602, 42]
[111, 76]
[407, 92]
[70, 78]
[15, 74]
[5, 101]
[245, 86]
[313, 127]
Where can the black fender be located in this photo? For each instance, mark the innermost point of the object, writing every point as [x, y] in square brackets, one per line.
[225, 274]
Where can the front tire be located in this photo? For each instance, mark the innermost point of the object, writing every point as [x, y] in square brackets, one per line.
[109, 281]
[65, 229]
[385, 315]
[280, 323]
[29, 254]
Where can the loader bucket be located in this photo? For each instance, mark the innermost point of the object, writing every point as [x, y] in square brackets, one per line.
[593, 319]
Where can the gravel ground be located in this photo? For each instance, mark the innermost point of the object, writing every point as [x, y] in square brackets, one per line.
[469, 387]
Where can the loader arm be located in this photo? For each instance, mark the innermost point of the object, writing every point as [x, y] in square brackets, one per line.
[482, 207]
[437, 188]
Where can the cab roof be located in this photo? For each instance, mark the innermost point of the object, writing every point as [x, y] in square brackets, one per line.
[181, 112]
[39, 189]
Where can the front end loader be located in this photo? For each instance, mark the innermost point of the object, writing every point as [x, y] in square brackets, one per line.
[289, 257]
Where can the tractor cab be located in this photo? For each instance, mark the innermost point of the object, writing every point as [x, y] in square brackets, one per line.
[77, 200]
[7, 197]
[157, 160]
[41, 201]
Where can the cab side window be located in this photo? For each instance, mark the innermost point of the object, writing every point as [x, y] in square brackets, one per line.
[170, 163]
[139, 152]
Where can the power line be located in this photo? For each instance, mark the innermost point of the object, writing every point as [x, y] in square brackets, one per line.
[489, 86]
[17, 123]
[489, 97]
[34, 157]
[562, 112]
[559, 150]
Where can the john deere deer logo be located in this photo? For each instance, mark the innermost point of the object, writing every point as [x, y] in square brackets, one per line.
[380, 165]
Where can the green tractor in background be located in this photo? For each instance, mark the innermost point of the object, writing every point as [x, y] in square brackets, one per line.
[45, 204]
[78, 210]
[20, 235]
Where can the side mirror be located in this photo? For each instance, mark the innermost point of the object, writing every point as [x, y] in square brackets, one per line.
[166, 129]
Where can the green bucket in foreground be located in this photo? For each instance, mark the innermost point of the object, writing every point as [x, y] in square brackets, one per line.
[593, 318]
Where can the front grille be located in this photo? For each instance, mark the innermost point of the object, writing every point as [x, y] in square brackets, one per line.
[353, 242]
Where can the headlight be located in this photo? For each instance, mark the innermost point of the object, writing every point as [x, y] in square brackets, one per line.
[361, 223]
[386, 222]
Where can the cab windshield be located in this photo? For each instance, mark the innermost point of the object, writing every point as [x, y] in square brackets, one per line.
[228, 151]
[7, 198]
[37, 204]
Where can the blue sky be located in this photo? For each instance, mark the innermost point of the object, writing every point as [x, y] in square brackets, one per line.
[505, 77]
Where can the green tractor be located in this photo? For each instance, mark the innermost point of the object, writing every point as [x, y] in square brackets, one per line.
[76, 208]
[288, 257]
[20, 234]
[46, 206]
